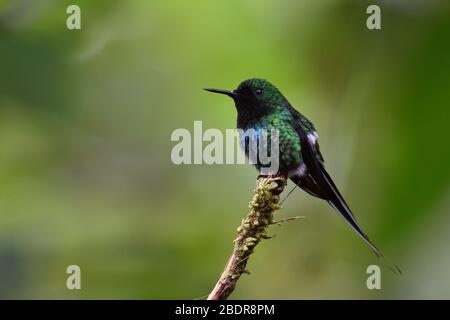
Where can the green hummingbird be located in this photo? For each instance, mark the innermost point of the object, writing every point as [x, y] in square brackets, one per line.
[260, 105]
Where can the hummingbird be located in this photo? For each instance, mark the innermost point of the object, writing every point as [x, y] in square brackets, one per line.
[261, 106]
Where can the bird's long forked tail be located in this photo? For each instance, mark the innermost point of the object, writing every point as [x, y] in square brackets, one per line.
[336, 200]
[344, 213]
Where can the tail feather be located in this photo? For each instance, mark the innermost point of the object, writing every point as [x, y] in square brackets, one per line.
[336, 200]
[338, 207]
[339, 204]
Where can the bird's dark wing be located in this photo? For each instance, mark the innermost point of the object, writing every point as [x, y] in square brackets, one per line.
[319, 183]
[307, 183]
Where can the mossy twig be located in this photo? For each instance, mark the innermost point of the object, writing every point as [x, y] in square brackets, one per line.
[252, 230]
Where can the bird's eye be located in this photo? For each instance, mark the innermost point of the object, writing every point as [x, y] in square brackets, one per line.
[259, 92]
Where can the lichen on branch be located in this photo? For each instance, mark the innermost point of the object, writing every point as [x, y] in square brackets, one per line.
[252, 230]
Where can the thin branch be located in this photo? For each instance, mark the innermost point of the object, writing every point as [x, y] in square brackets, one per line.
[251, 231]
[288, 219]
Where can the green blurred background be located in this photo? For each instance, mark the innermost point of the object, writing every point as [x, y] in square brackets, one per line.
[86, 118]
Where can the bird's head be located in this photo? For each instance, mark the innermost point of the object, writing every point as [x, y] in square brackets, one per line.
[254, 97]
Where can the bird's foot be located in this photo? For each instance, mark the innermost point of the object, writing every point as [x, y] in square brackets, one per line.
[280, 180]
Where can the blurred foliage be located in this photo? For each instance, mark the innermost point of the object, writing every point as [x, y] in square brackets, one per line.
[85, 124]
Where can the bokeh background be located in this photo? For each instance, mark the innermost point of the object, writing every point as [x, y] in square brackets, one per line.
[86, 117]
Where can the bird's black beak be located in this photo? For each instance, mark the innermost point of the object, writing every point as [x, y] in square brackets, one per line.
[226, 92]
